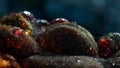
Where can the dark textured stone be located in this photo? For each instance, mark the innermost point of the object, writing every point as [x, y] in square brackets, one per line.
[70, 39]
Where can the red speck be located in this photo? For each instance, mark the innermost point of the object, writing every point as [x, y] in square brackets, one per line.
[18, 32]
[102, 41]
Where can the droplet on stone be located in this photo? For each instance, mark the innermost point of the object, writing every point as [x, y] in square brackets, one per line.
[59, 20]
[28, 15]
[42, 22]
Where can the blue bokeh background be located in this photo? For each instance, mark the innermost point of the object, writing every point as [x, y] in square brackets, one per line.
[98, 16]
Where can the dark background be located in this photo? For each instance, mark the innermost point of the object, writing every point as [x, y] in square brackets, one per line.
[98, 16]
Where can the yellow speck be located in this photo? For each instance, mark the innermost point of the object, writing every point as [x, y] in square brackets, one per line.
[27, 32]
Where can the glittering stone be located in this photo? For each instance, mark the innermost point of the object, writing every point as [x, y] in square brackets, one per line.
[61, 62]
[8, 61]
[109, 45]
[20, 46]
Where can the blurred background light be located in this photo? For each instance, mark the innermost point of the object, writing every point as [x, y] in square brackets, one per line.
[98, 16]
